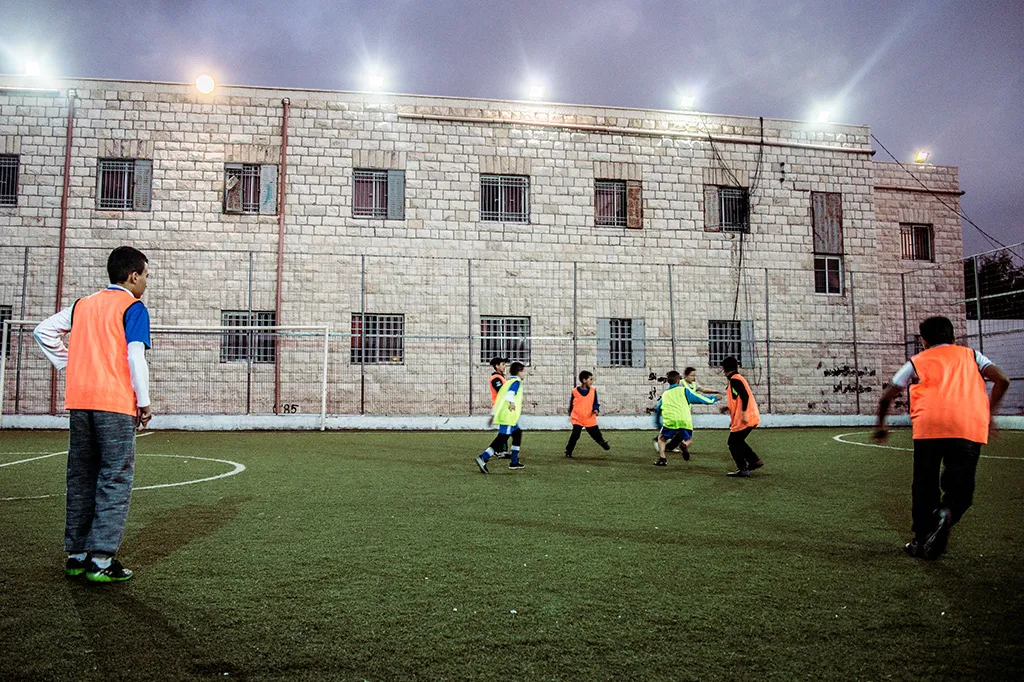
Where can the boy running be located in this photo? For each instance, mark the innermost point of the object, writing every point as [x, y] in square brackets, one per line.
[745, 418]
[583, 411]
[951, 417]
[672, 413]
[495, 383]
[508, 407]
[107, 394]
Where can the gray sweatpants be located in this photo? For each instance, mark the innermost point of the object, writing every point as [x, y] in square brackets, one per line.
[101, 467]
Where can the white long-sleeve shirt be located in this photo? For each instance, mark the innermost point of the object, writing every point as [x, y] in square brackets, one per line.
[49, 336]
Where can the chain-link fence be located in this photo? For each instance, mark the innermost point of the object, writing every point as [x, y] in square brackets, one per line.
[413, 334]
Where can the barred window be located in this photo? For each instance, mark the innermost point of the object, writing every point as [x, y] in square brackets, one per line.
[828, 275]
[610, 203]
[620, 342]
[370, 194]
[8, 180]
[242, 346]
[377, 339]
[916, 242]
[724, 339]
[505, 198]
[507, 337]
[124, 184]
[250, 188]
[621, 346]
[733, 209]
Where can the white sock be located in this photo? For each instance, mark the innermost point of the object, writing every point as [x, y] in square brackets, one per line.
[80, 556]
[101, 562]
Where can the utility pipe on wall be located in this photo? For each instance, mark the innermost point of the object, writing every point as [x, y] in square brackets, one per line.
[69, 135]
[282, 180]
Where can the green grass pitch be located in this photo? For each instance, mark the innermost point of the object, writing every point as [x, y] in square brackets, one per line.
[388, 556]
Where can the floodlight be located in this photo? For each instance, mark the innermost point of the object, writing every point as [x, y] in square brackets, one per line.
[375, 80]
[33, 68]
[205, 84]
[536, 91]
[922, 156]
[687, 101]
[823, 116]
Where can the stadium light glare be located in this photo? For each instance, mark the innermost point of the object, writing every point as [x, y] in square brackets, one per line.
[824, 115]
[535, 91]
[687, 101]
[33, 68]
[375, 81]
[922, 156]
[205, 84]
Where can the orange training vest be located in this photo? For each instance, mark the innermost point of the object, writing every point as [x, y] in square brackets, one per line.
[98, 376]
[490, 384]
[583, 408]
[950, 401]
[736, 407]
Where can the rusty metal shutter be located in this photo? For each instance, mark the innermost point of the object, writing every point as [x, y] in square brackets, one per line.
[712, 223]
[396, 195]
[268, 189]
[232, 188]
[143, 189]
[827, 222]
[634, 205]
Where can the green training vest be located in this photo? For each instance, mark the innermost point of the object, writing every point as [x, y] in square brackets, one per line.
[502, 415]
[675, 409]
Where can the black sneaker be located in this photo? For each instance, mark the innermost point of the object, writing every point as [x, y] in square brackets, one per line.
[606, 446]
[686, 454]
[739, 473]
[935, 544]
[661, 462]
[114, 573]
[756, 465]
[482, 464]
[517, 465]
[569, 455]
[913, 549]
[75, 568]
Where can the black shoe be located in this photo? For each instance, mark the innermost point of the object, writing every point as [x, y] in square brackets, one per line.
[739, 473]
[686, 455]
[517, 465]
[114, 573]
[660, 462]
[935, 544]
[606, 446]
[75, 568]
[756, 465]
[913, 549]
[481, 463]
[569, 455]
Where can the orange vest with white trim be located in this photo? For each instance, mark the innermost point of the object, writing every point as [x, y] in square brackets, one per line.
[98, 376]
[736, 407]
[490, 384]
[950, 400]
[583, 408]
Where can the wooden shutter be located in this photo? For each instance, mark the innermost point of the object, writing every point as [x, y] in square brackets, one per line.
[268, 189]
[827, 222]
[396, 195]
[712, 222]
[142, 192]
[634, 205]
[639, 334]
[232, 188]
[746, 343]
[604, 342]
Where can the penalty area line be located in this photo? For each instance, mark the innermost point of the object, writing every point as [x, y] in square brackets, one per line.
[841, 436]
[49, 454]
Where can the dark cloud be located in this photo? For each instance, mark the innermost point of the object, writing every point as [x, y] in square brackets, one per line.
[938, 74]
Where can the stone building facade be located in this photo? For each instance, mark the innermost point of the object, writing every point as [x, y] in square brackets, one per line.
[623, 241]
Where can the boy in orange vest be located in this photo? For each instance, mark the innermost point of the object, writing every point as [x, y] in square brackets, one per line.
[951, 416]
[745, 418]
[107, 395]
[583, 411]
[495, 383]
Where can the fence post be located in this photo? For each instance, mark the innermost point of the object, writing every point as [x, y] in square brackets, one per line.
[21, 331]
[856, 363]
[469, 328]
[672, 314]
[323, 387]
[362, 336]
[4, 330]
[574, 327]
[903, 297]
[249, 346]
[767, 340]
[977, 307]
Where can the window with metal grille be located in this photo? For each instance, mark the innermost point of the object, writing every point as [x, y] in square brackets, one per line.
[914, 345]
[242, 188]
[506, 337]
[916, 242]
[733, 209]
[621, 342]
[378, 339]
[242, 346]
[505, 198]
[124, 184]
[8, 180]
[610, 203]
[370, 194]
[725, 338]
[7, 313]
[828, 275]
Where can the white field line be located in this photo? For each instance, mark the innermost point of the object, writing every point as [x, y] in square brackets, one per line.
[49, 454]
[840, 437]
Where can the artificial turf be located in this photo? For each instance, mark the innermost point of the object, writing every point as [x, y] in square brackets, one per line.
[388, 556]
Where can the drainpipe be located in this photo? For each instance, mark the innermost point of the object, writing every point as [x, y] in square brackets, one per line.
[282, 179]
[68, 139]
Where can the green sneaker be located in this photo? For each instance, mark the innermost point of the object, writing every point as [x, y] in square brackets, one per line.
[114, 573]
[74, 568]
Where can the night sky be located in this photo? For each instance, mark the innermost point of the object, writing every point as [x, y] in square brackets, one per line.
[941, 75]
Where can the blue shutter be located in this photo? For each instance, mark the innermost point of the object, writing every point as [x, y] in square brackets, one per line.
[268, 189]
[396, 195]
[142, 192]
[747, 355]
[604, 342]
[639, 333]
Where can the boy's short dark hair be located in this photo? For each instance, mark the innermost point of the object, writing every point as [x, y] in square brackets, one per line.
[123, 261]
[673, 377]
[730, 364]
[584, 375]
[937, 330]
[516, 368]
[497, 360]
[688, 370]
